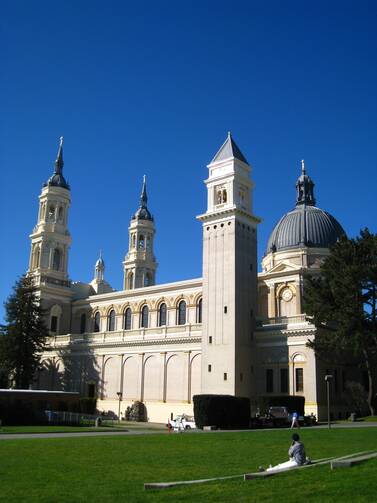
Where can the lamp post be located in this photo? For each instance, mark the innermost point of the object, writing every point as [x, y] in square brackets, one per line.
[120, 395]
[328, 379]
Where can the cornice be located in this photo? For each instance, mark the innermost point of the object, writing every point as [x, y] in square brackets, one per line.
[73, 346]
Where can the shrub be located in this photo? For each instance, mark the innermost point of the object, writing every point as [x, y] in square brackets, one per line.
[223, 411]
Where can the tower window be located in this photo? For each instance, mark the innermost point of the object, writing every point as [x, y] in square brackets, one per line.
[111, 321]
[299, 380]
[133, 240]
[144, 316]
[97, 321]
[181, 313]
[225, 376]
[141, 242]
[162, 315]
[130, 281]
[283, 380]
[61, 214]
[148, 243]
[199, 312]
[269, 380]
[127, 318]
[51, 212]
[148, 279]
[83, 323]
[91, 390]
[56, 259]
[54, 324]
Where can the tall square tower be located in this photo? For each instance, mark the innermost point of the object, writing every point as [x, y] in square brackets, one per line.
[229, 275]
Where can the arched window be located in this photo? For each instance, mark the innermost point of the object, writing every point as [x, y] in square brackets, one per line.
[111, 321]
[55, 315]
[97, 321]
[56, 259]
[148, 242]
[127, 318]
[130, 281]
[144, 315]
[162, 315]
[51, 213]
[141, 242]
[181, 313]
[83, 323]
[199, 311]
[61, 214]
[133, 240]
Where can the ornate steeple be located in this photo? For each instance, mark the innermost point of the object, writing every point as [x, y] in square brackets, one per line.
[57, 179]
[305, 188]
[99, 268]
[143, 212]
[140, 263]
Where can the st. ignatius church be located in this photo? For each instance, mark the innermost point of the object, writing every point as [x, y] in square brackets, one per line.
[232, 331]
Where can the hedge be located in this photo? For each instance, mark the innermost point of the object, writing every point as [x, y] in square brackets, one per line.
[222, 411]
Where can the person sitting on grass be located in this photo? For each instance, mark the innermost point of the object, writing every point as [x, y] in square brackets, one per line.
[296, 453]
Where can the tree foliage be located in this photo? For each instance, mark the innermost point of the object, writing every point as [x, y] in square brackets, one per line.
[23, 338]
[342, 300]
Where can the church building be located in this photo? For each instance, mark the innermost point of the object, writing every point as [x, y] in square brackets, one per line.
[232, 331]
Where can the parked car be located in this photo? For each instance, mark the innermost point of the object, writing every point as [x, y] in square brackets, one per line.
[182, 422]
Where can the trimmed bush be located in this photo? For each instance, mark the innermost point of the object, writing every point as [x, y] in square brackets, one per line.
[222, 411]
[293, 403]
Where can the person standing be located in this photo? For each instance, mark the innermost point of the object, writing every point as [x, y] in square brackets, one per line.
[295, 421]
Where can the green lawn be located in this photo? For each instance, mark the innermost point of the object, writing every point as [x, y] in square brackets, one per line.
[108, 469]
[51, 429]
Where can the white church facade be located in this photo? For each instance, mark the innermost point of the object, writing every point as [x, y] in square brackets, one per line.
[232, 331]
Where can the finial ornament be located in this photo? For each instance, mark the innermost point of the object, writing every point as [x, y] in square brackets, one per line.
[304, 187]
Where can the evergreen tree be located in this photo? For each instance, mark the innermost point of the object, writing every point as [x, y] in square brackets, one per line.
[343, 302]
[23, 338]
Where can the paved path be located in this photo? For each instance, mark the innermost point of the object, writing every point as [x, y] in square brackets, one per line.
[15, 436]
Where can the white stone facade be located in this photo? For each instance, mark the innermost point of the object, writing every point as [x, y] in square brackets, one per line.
[231, 331]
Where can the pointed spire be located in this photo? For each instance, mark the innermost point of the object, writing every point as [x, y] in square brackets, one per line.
[99, 268]
[305, 188]
[144, 197]
[59, 163]
[57, 179]
[143, 212]
[228, 150]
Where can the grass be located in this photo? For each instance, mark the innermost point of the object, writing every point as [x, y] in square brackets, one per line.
[107, 469]
[106, 426]
[50, 429]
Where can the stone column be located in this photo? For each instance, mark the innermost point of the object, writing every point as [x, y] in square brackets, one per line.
[142, 377]
[188, 376]
[272, 301]
[164, 377]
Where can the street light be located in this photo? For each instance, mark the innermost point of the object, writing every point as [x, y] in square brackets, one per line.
[120, 395]
[328, 379]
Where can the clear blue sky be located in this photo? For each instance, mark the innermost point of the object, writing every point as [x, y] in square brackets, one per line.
[153, 87]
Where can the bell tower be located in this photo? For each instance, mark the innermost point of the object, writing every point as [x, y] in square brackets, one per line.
[229, 275]
[140, 264]
[50, 242]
